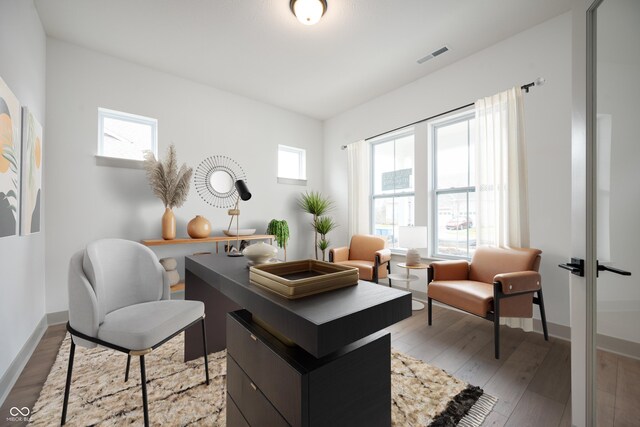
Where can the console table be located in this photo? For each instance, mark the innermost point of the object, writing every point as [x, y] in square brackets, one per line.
[337, 373]
[212, 239]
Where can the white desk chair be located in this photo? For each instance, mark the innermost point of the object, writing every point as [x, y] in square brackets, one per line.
[119, 298]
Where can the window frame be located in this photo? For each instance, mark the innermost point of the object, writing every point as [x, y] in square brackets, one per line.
[128, 117]
[391, 136]
[451, 119]
[302, 165]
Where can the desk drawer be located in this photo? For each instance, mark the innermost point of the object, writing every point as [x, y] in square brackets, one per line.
[280, 383]
[234, 416]
[255, 408]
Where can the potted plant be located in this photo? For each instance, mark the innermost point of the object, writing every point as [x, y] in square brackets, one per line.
[323, 225]
[170, 184]
[280, 229]
[317, 205]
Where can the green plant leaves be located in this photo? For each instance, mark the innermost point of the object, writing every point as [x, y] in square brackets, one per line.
[315, 203]
[324, 224]
[280, 229]
[318, 205]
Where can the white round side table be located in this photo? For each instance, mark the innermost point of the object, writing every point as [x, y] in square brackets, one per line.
[408, 278]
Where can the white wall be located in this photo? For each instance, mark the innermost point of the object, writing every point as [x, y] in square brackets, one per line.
[87, 202]
[22, 288]
[542, 51]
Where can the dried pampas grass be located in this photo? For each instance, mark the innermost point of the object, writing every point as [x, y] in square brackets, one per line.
[169, 183]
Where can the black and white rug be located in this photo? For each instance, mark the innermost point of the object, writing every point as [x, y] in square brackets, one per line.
[422, 395]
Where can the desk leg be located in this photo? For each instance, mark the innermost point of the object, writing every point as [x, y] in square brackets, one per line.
[216, 307]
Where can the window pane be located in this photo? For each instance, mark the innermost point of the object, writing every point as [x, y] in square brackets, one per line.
[389, 214]
[472, 152]
[393, 166]
[452, 157]
[126, 139]
[404, 164]
[288, 164]
[382, 166]
[126, 136]
[455, 223]
[393, 175]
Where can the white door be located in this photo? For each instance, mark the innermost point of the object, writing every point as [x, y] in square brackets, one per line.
[605, 299]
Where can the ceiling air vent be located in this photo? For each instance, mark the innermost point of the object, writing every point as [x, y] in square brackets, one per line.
[433, 54]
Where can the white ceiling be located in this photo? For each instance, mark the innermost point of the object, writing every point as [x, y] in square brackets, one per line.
[256, 48]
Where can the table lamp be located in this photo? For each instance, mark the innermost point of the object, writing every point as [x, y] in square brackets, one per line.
[244, 194]
[412, 238]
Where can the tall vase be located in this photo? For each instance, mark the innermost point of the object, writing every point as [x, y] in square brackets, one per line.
[168, 225]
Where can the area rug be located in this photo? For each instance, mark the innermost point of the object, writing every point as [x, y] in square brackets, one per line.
[422, 395]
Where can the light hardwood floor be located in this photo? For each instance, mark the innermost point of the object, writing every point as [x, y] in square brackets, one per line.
[531, 379]
[26, 390]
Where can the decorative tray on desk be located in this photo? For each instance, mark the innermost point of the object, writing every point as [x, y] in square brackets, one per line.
[297, 279]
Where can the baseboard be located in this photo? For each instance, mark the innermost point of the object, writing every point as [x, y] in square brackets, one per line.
[555, 330]
[619, 346]
[604, 342]
[57, 318]
[15, 368]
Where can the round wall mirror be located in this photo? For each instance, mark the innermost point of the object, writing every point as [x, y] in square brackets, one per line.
[215, 179]
[221, 181]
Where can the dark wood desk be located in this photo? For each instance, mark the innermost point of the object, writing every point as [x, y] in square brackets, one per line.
[340, 353]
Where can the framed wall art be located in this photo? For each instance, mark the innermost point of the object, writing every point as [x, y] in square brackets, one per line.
[10, 127]
[31, 182]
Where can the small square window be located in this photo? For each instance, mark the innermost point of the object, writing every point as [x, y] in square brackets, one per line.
[126, 136]
[292, 163]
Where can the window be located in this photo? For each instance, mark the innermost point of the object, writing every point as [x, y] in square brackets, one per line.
[453, 201]
[292, 164]
[126, 136]
[393, 184]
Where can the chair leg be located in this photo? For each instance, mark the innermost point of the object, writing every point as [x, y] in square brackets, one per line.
[496, 327]
[429, 308]
[389, 271]
[126, 372]
[204, 345]
[72, 352]
[143, 378]
[543, 317]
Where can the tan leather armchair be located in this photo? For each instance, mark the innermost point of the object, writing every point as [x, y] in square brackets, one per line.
[367, 253]
[497, 282]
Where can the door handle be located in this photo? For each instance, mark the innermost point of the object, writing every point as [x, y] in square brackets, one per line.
[576, 266]
[613, 270]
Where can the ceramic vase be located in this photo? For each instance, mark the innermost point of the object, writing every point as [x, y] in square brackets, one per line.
[413, 257]
[199, 227]
[260, 253]
[168, 225]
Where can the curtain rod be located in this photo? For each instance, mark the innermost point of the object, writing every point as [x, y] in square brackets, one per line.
[537, 82]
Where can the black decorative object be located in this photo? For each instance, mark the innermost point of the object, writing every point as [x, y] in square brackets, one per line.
[244, 194]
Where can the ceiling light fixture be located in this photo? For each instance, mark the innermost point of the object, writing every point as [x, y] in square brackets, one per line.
[308, 12]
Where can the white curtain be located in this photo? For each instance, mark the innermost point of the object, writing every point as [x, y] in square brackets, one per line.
[502, 211]
[358, 159]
